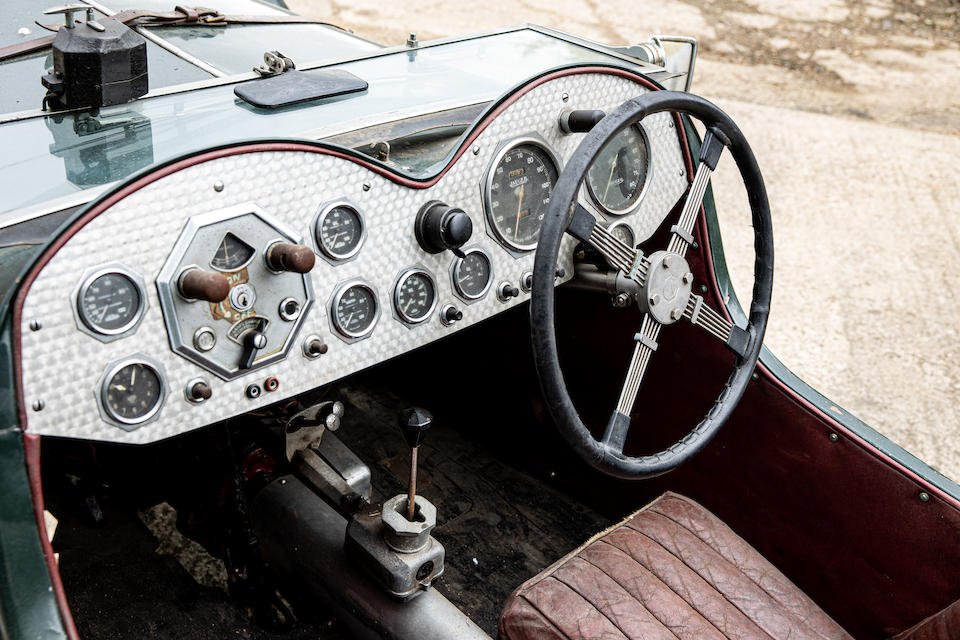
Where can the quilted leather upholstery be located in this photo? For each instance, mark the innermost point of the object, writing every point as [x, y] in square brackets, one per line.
[671, 570]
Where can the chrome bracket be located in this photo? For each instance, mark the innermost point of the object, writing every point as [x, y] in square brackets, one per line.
[274, 63]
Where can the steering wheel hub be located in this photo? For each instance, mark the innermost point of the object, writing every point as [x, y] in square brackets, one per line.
[668, 286]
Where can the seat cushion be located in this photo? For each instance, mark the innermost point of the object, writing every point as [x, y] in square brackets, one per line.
[671, 570]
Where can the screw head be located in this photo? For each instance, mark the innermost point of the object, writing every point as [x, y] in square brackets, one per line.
[476, 150]
[687, 278]
[924, 496]
[675, 313]
[38, 405]
[35, 325]
[667, 262]
[565, 96]
[703, 288]
[218, 186]
[654, 300]
[834, 437]
[695, 245]
[366, 186]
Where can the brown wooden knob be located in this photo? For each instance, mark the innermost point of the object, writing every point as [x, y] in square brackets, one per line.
[198, 284]
[283, 256]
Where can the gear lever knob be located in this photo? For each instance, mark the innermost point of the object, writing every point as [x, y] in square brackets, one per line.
[413, 423]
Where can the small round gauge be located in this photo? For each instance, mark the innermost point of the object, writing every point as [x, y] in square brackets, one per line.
[415, 295]
[110, 303]
[132, 392]
[519, 186]
[339, 230]
[354, 311]
[472, 274]
[232, 254]
[617, 177]
[624, 234]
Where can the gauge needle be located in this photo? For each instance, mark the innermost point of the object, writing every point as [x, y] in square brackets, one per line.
[133, 376]
[516, 229]
[118, 387]
[613, 165]
[103, 313]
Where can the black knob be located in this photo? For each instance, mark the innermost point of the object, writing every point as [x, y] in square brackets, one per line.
[580, 121]
[506, 291]
[439, 227]
[413, 423]
[451, 314]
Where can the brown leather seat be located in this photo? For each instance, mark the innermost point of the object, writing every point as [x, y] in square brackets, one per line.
[671, 570]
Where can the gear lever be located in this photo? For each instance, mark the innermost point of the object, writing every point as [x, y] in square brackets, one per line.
[413, 423]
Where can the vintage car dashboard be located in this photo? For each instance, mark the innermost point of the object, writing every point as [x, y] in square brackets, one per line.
[235, 278]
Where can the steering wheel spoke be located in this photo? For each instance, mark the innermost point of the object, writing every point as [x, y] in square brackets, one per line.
[707, 318]
[625, 258]
[682, 232]
[615, 434]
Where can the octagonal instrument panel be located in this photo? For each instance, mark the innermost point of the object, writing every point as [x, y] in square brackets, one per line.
[259, 318]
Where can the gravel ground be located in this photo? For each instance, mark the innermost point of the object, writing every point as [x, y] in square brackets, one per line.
[853, 109]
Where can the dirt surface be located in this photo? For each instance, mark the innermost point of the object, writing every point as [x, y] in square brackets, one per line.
[853, 109]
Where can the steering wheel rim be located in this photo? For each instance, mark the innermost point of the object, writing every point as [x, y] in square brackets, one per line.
[561, 212]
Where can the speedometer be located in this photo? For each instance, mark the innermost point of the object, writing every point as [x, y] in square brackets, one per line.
[518, 189]
[617, 177]
[110, 302]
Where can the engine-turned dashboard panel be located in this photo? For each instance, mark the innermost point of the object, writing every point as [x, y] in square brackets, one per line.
[242, 276]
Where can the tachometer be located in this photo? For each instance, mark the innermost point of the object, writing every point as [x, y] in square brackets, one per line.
[110, 301]
[354, 310]
[415, 295]
[617, 177]
[339, 230]
[131, 392]
[518, 189]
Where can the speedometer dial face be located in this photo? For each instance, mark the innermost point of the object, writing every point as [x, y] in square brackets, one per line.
[617, 177]
[339, 230]
[518, 192]
[355, 310]
[415, 295]
[132, 393]
[110, 303]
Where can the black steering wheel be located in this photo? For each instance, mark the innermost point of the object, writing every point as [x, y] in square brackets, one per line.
[660, 282]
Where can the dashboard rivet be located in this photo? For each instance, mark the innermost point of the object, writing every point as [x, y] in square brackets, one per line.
[670, 124]
[38, 405]
[35, 325]
[703, 288]
[476, 150]
[834, 437]
[565, 96]
[681, 172]
[695, 245]
[366, 186]
[924, 496]
[218, 186]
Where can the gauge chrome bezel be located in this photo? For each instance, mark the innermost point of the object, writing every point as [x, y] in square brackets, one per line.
[625, 224]
[100, 392]
[401, 279]
[455, 272]
[342, 333]
[88, 326]
[595, 200]
[505, 147]
[316, 234]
